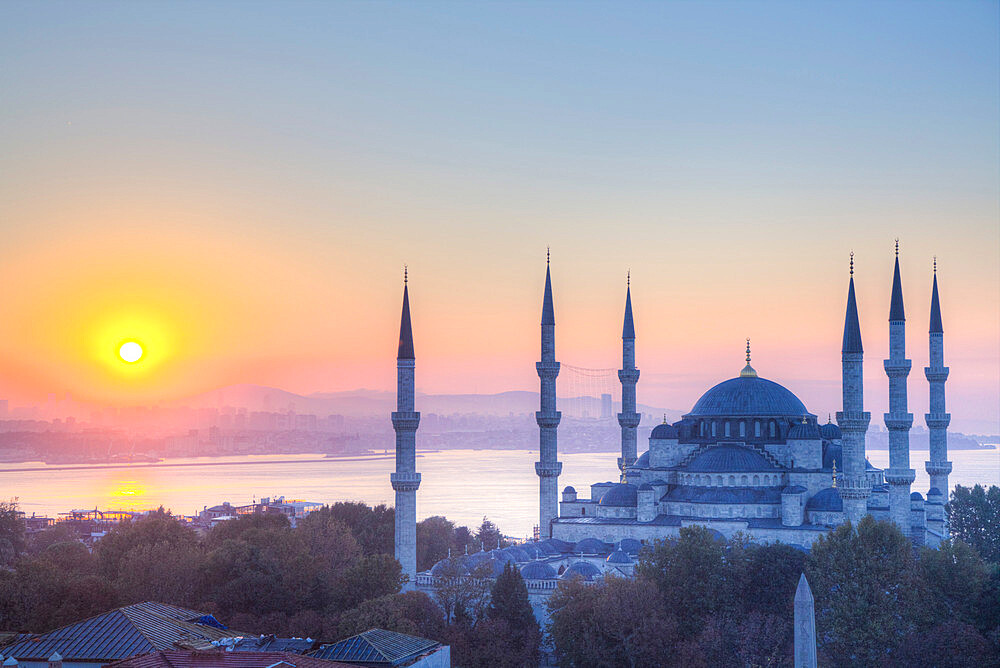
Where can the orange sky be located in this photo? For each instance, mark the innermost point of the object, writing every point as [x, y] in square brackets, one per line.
[240, 191]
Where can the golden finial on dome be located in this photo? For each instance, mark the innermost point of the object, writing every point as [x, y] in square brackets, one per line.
[664, 418]
[748, 371]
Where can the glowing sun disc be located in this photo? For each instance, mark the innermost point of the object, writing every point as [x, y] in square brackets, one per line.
[130, 351]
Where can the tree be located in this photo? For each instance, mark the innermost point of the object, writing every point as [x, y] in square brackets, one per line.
[509, 603]
[869, 597]
[373, 527]
[974, 517]
[690, 575]
[615, 622]
[11, 531]
[153, 529]
[372, 576]
[435, 539]
[462, 595]
[489, 536]
[412, 612]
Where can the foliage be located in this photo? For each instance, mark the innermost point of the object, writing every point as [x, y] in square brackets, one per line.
[488, 537]
[509, 604]
[11, 532]
[974, 517]
[412, 612]
[615, 622]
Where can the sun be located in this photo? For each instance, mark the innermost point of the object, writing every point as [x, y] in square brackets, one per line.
[130, 352]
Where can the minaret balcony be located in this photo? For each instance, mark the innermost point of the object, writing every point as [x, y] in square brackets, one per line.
[853, 421]
[548, 419]
[628, 375]
[897, 368]
[547, 370]
[900, 476]
[937, 420]
[898, 421]
[936, 374]
[548, 469]
[629, 420]
[938, 468]
[405, 481]
[405, 420]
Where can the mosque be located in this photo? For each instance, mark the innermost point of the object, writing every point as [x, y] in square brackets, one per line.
[748, 458]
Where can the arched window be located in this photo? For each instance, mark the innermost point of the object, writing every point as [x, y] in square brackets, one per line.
[718, 480]
[743, 481]
[732, 481]
[743, 429]
[583, 510]
[727, 429]
[756, 428]
[772, 428]
[756, 480]
[713, 428]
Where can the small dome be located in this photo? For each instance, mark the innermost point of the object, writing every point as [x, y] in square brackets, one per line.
[643, 461]
[933, 491]
[803, 431]
[503, 556]
[591, 546]
[538, 570]
[450, 567]
[793, 489]
[569, 490]
[749, 396]
[622, 495]
[826, 500]
[619, 557]
[531, 549]
[916, 496]
[520, 554]
[664, 431]
[629, 545]
[582, 569]
[830, 431]
[497, 566]
[725, 458]
[547, 548]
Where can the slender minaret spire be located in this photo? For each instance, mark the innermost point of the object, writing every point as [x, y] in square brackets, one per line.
[937, 419]
[547, 467]
[853, 485]
[405, 420]
[628, 419]
[898, 421]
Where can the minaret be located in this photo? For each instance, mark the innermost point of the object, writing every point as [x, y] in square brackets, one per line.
[938, 467]
[405, 420]
[898, 421]
[629, 376]
[548, 467]
[853, 485]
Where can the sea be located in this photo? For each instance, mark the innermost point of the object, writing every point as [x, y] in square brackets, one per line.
[463, 485]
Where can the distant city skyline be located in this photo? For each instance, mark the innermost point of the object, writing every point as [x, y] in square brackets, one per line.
[247, 219]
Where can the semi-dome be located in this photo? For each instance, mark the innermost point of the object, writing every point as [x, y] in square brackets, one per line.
[827, 500]
[916, 496]
[582, 569]
[538, 570]
[569, 490]
[830, 431]
[622, 495]
[728, 458]
[749, 395]
[933, 491]
[833, 453]
[664, 431]
[643, 461]
[591, 546]
[630, 545]
[804, 431]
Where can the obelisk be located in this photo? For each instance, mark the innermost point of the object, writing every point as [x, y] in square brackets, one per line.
[805, 626]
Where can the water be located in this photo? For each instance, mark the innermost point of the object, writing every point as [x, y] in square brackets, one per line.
[462, 485]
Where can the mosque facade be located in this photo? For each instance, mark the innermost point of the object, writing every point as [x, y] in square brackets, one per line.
[748, 458]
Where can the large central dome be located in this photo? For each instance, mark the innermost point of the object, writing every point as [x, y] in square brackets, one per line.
[749, 395]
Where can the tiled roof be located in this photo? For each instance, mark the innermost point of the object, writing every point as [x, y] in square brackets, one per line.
[119, 634]
[376, 647]
[187, 658]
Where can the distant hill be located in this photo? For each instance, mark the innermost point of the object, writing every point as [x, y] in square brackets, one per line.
[373, 402]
